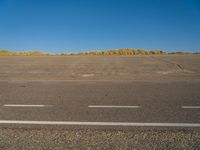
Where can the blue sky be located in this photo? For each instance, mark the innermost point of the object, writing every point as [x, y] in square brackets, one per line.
[74, 25]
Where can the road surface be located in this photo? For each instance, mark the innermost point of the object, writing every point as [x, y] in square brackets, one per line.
[90, 103]
[141, 102]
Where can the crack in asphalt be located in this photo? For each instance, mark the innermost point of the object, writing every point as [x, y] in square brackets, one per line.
[180, 67]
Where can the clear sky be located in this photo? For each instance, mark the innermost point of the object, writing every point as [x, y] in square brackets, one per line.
[76, 25]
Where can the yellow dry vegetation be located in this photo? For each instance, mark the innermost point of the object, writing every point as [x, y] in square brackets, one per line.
[12, 53]
[125, 51]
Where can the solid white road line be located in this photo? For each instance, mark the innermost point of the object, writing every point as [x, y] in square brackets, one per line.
[111, 106]
[191, 107]
[125, 124]
[16, 105]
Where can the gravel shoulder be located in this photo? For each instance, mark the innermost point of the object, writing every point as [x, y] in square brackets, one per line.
[25, 139]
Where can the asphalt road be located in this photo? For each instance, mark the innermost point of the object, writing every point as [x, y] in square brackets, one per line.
[98, 103]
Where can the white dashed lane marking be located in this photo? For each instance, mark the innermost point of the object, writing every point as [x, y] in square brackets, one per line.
[19, 105]
[191, 107]
[112, 106]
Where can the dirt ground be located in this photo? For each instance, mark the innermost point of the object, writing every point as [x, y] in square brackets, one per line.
[153, 67]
